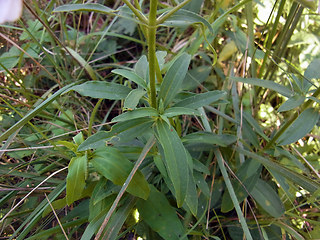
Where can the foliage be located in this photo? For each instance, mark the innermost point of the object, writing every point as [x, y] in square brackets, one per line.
[160, 120]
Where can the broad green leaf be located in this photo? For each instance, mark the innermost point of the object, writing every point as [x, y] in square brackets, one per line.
[175, 156]
[121, 131]
[111, 164]
[176, 111]
[133, 99]
[172, 81]
[300, 127]
[132, 76]
[266, 84]
[35, 111]
[83, 63]
[268, 199]
[137, 113]
[291, 103]
[77, 172]
[157, 212]
[183, 18]
[303, 181]
[91, 7]
[209, 138]
[202, 99]
[100, 89]
[161, 58]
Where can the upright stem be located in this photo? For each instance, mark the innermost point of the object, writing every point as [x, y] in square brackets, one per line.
[152, 28]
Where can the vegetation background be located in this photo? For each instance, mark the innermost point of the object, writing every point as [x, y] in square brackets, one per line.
[190, 119]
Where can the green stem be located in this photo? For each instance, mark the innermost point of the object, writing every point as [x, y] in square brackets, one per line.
[93, 114]
[152, 29]
[163, 18]
[232, 194]
[136, 12]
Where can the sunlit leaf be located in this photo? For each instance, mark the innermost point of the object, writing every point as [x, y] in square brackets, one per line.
[99, 89]
[111, 164]
[76, 178]
[300, 127]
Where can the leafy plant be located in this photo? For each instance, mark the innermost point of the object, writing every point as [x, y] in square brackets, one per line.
[185, 156]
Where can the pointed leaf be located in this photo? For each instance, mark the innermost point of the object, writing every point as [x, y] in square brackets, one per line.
[291, 103]
[137, 113]
[175, 156]
[172, 81]
[176, 111]
[111, 164]
[266, 84]
[183, 18]
[100, 89]
[202, 99]
[132, 76]
[92, 7]
[157, 212]
[76, 178]
[209, 138]
[268, 199]
[192, 196]
[121, 131]
[300, 127]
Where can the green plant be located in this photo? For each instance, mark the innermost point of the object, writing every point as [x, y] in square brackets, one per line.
[183, 168]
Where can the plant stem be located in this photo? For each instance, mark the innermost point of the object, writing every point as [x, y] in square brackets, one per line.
[152, 29]
[163, 18]
[138, 14]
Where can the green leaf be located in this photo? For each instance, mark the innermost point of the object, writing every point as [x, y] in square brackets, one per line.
[157, 212]
[57, 204]
[91, 7]
[291, 103]
[192, 196]
[133, 99]
[111, 164]
[195, 77]
[175, 156]
[83, 63]
[77, 171]
[121, 131]
[254, 124]
[209, 138]
[268, 199]
[137, 113]
[303, 181]
[176, 111]
[132, 76]
[184, 18]
[172, 81]
[202, 99]
[312, 4]
[100, 89]
[266, 84]
[300, 127]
